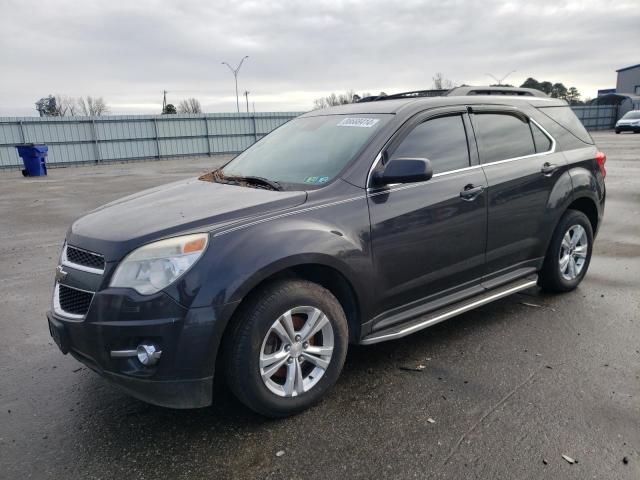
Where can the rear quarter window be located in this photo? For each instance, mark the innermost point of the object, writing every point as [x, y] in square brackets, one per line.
[565, 117]
[502, 136]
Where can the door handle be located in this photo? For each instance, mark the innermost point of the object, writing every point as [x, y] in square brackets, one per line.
[549, 169]
[470, 192]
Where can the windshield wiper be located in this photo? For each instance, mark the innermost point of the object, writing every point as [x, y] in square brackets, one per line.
[257, 180]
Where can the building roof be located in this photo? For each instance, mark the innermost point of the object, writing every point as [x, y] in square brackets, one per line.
[628, 68]
[614, 99]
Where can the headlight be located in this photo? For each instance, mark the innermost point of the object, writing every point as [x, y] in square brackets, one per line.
[152, 267]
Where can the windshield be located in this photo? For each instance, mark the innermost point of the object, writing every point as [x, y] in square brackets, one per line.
[308, 151]
[633, 115]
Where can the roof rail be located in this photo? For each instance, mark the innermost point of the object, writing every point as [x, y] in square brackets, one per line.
[458, 92]
[412, 94]
[495, 90]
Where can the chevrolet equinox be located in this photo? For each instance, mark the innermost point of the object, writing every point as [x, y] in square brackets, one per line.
[356, 224]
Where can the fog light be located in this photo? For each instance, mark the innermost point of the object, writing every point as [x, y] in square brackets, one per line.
[148, 354]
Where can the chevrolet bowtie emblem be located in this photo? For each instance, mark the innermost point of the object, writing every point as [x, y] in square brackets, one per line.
[60, 273]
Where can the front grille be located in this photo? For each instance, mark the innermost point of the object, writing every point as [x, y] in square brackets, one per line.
[74, 301]
[84, 258]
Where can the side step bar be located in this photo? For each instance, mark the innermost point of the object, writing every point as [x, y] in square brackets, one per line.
[451, 311]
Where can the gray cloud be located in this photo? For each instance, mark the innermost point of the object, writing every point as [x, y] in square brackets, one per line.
[129, 51]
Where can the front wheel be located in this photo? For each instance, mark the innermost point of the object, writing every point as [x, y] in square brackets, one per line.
[287, 348]
[617, 132]
[569, 253]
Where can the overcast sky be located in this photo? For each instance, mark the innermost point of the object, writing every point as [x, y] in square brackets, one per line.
[129, 51]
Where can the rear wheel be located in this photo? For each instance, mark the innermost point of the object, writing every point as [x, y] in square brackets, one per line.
[569, 253]
[287, 349]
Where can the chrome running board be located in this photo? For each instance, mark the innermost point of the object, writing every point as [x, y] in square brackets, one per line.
[442, 314]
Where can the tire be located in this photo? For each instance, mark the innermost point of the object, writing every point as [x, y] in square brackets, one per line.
[257, 335]
[559, 277]
[617, 132]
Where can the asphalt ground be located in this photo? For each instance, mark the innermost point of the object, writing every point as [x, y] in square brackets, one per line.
[505, 391]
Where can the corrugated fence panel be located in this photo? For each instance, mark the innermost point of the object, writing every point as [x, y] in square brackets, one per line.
[597, 117]
[128, 149]
[9, 157]
[129, 137]
[183, 146]
[71, 153]
[125, 130]
[185, 127]
[10, 133]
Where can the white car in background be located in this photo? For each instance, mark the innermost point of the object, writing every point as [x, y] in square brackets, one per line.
[630, 122]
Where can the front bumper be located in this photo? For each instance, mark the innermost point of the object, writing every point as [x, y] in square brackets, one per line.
[627, 128]
[120, 320]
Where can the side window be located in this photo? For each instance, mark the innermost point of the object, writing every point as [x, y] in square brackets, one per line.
[442, 140]
[502, 136]
[565, 117]
[541, 141]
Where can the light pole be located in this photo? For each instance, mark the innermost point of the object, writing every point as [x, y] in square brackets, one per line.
[501, 79]
[235, 76]
[246, 96]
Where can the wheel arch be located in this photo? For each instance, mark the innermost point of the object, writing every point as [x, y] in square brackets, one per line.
[589, 207]
[314, 270]
[317, 270]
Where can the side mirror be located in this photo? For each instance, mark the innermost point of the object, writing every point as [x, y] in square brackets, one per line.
[404, 170]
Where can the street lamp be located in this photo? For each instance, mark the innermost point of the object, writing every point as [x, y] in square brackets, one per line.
[499, 81]
[235, 76]
[246, 96]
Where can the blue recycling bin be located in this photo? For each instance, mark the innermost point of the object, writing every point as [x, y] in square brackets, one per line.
[34, 158]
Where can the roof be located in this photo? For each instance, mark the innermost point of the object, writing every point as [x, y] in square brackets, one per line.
[614, 99]
[423, 103]
[628, 68]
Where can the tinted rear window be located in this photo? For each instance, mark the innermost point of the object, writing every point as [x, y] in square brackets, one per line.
[567, 119]
[503, 136]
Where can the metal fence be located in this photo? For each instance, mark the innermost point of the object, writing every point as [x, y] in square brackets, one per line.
[74, 140]
[597, 117]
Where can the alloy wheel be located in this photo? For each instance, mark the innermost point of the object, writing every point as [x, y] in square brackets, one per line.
[296, 351]
[573, 252]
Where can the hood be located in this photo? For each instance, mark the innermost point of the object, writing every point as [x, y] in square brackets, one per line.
[628, 121]
[185, 206]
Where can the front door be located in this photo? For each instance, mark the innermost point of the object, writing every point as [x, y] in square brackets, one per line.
[429, 238]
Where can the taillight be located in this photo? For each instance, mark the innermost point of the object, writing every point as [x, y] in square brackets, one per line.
[601, 158]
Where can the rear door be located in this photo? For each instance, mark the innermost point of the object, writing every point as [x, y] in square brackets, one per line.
[519, 160]
[428, 238]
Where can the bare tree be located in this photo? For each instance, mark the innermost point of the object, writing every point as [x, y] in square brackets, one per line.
[190, 105]
[64, 105]
[71, 104]
[440, 82]
[92, 106]
[333, 99]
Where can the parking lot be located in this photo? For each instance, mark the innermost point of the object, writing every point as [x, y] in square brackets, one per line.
[506, 390]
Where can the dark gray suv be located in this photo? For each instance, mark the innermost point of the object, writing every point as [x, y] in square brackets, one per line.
[352, 225]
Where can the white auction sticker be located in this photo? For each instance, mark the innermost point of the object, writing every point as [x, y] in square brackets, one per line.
[358, 122]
